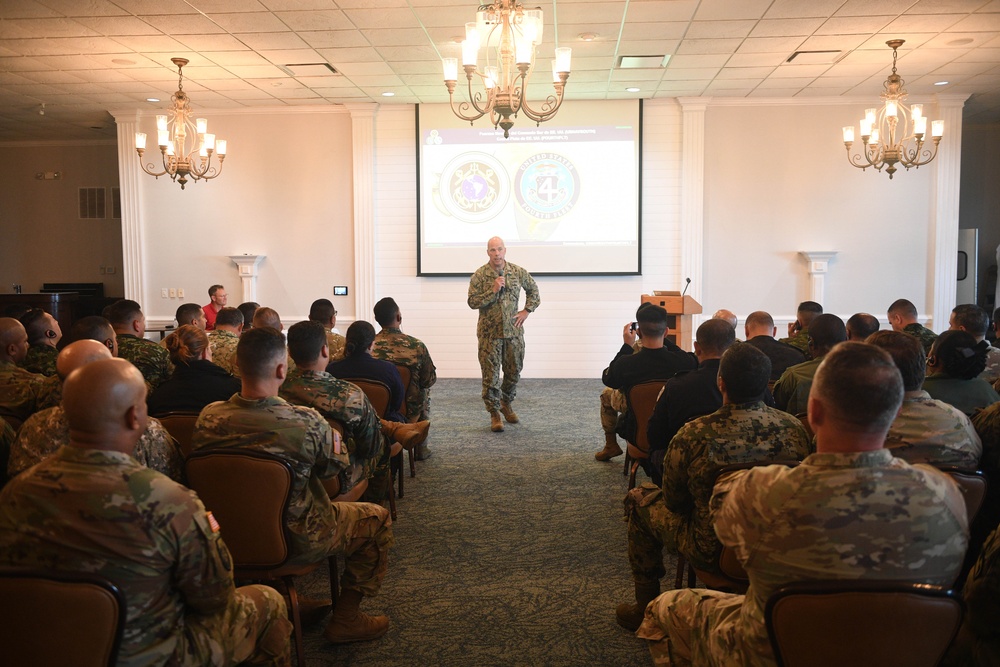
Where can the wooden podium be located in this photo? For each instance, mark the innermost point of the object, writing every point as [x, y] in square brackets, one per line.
[679, 311]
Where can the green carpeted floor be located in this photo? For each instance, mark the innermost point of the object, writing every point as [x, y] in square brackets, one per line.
[510, 547]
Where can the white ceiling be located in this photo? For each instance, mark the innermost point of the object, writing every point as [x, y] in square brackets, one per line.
[83, 57]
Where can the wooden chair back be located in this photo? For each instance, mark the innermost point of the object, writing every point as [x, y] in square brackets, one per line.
[377, 392]
[181, 426]
[861, 623]
[641, 401]
[248, 492]
[973, 485]
[56, 618]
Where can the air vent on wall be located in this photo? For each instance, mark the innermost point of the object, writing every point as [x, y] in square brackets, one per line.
[92, 203]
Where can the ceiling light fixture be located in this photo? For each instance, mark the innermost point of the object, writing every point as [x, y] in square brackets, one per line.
[941, 83]
[886, 141]
[588, 36]
[388, 93]
[172, 135]
[152, 99]
[632, 89]
[510, 32]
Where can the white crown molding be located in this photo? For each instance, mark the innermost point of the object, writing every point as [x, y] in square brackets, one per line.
[133, 112]
[57, 142]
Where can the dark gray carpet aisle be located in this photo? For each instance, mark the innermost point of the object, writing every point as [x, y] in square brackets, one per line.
[510, 547]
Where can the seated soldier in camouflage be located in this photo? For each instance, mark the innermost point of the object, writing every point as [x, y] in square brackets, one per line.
[48, 430]
[225, 336]
[791, 392]
[851, 511]
[360, 533]
[322, 311]
[130, 326]
[926, 430]
[391, 344]
[92, 327]
[902, 315]
[20, 390]
[798, 331]
[92, 508]
[676, 517]
[973, 320]
[7, 437]
[367, 438]
[44, 335]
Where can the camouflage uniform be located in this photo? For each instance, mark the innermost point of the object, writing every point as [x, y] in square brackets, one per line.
[40, 359]
[335, 344]
[800, 341]
[847, 516]
[500, 342]
[20, 391]
[152, 360]
[393, 345]
[677, 518]
[992, 371]
[613, 403]
[46, 431]
[982, 605]
[7, 437]
[346, 403]
[359, 532]
[50, 393]
[85, 510]
[987, 425]
[921, 333]
[223, 344]
[930, 431]
[791, 391]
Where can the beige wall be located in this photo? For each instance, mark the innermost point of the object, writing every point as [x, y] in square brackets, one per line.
[43, 238]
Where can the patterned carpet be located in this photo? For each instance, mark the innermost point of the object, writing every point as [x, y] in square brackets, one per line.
[510, 547]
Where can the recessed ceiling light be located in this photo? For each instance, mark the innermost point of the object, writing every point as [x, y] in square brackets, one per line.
[122, 61]
[388, 93]
[588, 36]
[632, 89]
[152, 99]
[941, 83]
[962, 41]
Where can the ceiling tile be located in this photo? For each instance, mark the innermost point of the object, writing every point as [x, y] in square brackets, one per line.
[396, 37]
[350, 55]
[264, 41]
[685, 61]
[194, 24]
[923, 22]
[708, 46]
[25, 9]
[377, 80]
[799, 71]
[292, 56]
[328, 19]
[353, 70]
[720, 10]
[27, 28]
[256, 71]
[657, 11]
[226, 58]
[399, 53]
[782, 9]
[381, 18]
[785, 27]
[652, 31]
[854, 25]
[719, 29]
[321, 39]
[118, 25]
[945, 6]
[152, 44]
[785, 45]
[757, 59]
[249, 22]
[873, 7]
[831, 43]
[736, 73]
[219, 42]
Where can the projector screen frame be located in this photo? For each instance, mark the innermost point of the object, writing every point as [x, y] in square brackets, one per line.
[639, 180]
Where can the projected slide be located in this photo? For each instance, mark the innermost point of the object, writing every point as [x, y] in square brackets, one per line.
[564, 197]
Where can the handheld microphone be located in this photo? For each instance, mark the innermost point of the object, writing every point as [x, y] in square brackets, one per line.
[686, 286]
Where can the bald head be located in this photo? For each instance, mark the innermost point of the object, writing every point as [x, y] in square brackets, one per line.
[726, 316]
[13, 340]
[267, 317]
[79, 354]
[105, 405]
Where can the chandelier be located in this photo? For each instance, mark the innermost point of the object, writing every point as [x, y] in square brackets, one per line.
[895, 133]
[185, 145]
[510, 34]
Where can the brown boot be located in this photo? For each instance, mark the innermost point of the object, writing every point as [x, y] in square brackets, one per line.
[496, 424]
[630, 615]
[508, 413]
[350, 624]
[408, 435]
[611, 448]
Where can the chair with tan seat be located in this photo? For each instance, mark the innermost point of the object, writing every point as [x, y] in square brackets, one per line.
[378, 395]
[641, 400]
[181, 426]
[332, 484]
[861, 623]
[249, 492]
[58, 618]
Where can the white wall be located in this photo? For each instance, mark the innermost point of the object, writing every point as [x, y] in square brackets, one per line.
[285, 192]
[777, 182]
[44, 240]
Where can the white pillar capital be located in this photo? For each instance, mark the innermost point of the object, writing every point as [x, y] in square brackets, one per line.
[247, 266]
[817, 264]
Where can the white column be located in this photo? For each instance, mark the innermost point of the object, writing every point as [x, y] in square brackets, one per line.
[693, 192]
[817, 264]
[129, 173]
[247, 267]
[363, 130]
[944, 225]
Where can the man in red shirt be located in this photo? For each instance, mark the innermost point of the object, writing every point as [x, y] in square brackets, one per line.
[218, 296]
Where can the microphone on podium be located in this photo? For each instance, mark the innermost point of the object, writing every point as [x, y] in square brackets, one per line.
[686, 286]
